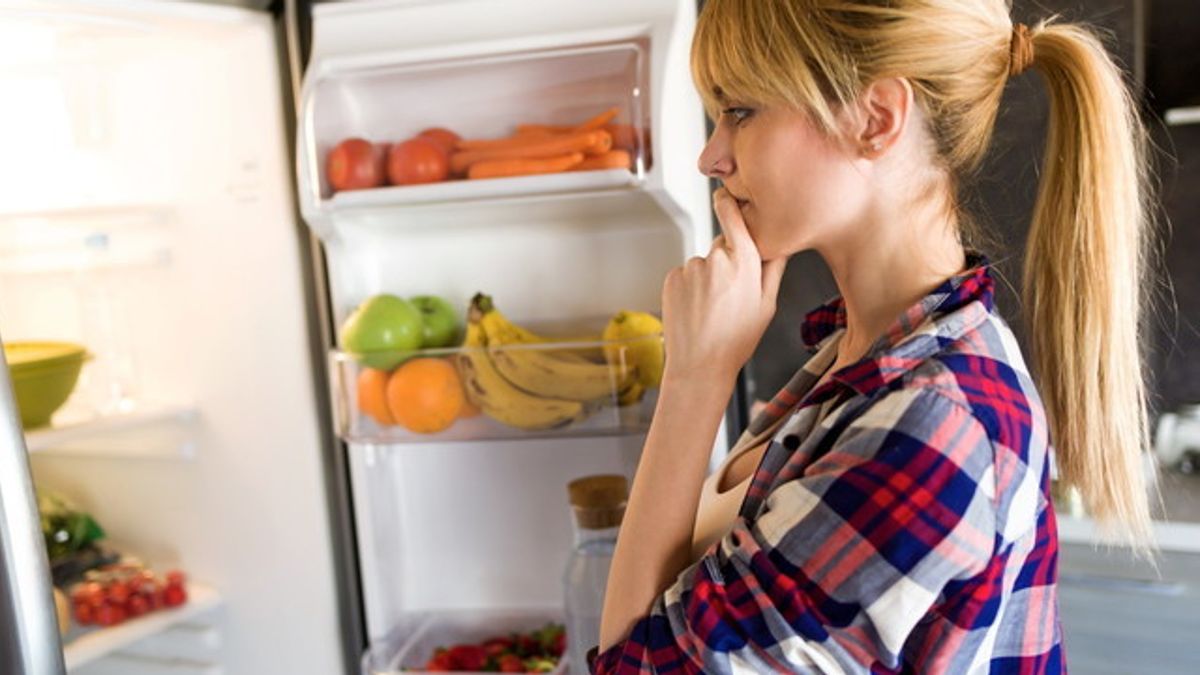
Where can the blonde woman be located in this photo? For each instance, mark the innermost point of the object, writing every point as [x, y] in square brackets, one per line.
[889, 511]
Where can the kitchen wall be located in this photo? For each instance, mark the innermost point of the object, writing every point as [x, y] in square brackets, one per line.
[1002, 198]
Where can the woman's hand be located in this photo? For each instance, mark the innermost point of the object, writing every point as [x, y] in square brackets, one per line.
[716, 308]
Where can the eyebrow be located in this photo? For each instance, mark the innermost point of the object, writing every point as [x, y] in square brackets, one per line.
[719, 94]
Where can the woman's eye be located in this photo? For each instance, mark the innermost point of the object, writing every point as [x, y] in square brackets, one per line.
[738, 115]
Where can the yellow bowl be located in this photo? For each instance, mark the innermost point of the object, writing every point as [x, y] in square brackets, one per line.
[43, 375]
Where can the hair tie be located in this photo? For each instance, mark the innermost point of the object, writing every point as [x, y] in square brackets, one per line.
[1021, 50]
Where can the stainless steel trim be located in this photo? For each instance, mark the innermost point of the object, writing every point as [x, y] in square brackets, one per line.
[29, 642]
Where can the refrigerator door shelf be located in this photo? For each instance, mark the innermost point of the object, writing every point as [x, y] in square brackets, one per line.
[514, 392]
[413, 642]
[388, 98]
[458, 192]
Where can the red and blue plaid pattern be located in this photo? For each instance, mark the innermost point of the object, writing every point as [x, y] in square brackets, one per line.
[910, 530]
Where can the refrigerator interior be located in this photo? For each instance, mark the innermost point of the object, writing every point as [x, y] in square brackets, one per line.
[151, 219]
[477, 522]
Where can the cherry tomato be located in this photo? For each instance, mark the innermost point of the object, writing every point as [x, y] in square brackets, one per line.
[109, 614]
[355, 164]
[417, 160]
[175, 578]
[511, 663]
[173, 596]
[442, 136]
[137, 605]
[84, 614]
[118, 592]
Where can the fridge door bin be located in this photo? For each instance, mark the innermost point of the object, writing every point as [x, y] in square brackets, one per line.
[386, 99]
[515, 391]
[413, 643]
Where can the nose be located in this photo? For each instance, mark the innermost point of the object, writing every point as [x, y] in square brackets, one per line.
[716, 160]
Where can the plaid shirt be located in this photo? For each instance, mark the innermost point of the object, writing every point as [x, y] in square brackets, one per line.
[908, 531]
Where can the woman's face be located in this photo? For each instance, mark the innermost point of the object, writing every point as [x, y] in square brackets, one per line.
[798, 188]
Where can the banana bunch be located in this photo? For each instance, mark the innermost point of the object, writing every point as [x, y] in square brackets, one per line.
[514, 381]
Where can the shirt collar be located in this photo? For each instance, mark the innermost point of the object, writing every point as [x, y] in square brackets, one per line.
[957, 305]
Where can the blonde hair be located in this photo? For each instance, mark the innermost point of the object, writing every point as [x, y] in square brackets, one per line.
[1086, 251]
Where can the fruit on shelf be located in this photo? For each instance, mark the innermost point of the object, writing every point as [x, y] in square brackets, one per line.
[636, 336]
[500, 399]
[537, 651]
[124, 591]
[425, 395]
[372, 395]
[382, 332]
[439, 326]
[356, 164]
[416, 161]
[442, 136]
[541, 371]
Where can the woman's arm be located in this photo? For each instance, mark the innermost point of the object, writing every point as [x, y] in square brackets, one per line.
[654, 545]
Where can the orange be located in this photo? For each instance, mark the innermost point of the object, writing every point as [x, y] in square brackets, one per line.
[425, 395]
[372, 395]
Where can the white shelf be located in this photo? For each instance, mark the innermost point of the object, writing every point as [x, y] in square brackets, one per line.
[1177, 117]
[84, 645]
[1170, 536]
[459, 191]
[164, 431]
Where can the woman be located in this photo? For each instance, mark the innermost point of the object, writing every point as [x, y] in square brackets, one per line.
[896, 513]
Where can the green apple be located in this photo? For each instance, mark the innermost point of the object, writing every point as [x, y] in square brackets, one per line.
[440, 327]
[382, 332]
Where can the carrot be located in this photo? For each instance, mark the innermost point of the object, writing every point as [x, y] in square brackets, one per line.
[613, 159]
[592, 142]
[543, 129]
[500, 168]
[624, 136]
[600, 120]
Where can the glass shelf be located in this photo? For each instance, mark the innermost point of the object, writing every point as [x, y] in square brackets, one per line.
[511, 392]
[84, 645]
[148, 430]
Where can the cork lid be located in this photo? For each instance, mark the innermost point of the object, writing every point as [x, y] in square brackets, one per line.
[598, 492]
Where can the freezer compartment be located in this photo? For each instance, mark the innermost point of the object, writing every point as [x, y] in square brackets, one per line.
[413, 644]
[522, 390]
[534, 122]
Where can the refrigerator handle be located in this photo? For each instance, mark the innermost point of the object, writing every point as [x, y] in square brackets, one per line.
[30, 643]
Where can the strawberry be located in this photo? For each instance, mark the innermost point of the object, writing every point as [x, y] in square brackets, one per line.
[468, 657]
[511, 663]
[497, 647]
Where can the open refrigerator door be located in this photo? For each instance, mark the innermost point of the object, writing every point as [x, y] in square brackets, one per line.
[463, 525]
[150, 221]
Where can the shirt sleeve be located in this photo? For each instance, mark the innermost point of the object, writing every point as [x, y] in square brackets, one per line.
[842, 563]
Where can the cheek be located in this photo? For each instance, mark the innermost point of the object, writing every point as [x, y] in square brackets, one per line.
[814, 192]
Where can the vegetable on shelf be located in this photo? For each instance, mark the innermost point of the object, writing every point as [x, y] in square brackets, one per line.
[438, 154]
[115, 593]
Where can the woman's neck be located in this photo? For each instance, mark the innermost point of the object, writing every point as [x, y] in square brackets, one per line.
[891, 263]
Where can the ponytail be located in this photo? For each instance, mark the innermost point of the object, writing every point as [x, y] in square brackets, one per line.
[1084, 264]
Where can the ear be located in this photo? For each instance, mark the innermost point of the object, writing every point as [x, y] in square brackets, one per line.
[884, 107]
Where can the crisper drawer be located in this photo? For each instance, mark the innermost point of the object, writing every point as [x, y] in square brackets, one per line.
[1120, 618]
[532, 638]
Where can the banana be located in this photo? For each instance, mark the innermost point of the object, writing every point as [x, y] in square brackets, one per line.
[541, 372]
[522, 335]
[499, 399]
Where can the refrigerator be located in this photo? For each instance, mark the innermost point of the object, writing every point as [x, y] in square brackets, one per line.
[171, 210]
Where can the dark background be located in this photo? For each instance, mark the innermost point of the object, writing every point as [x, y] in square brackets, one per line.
[1155, 41]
